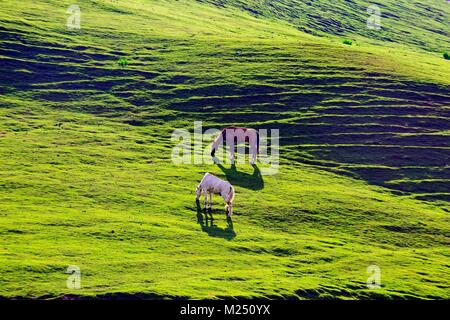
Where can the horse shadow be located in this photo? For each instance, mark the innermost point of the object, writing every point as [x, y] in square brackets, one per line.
[253, 181]
[206, 221]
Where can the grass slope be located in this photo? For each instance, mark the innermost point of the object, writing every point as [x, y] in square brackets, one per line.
[86, 177]
[415, 24]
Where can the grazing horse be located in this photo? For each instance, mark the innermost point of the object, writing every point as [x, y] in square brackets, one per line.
[236, 135]
[211, 184]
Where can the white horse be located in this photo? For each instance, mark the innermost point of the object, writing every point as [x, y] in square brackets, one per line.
[236, 135]
[211, 184]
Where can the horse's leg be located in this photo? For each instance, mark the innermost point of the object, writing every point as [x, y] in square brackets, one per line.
[229, 143]
[206, 198]
[253, 142]
[210, 200]
[254, 152]
[232, 147]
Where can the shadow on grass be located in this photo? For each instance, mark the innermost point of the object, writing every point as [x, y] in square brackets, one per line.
[206, 221]
[244, 180]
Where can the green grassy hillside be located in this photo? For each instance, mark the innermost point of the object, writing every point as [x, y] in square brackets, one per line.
[414, 24]
[86, 177]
